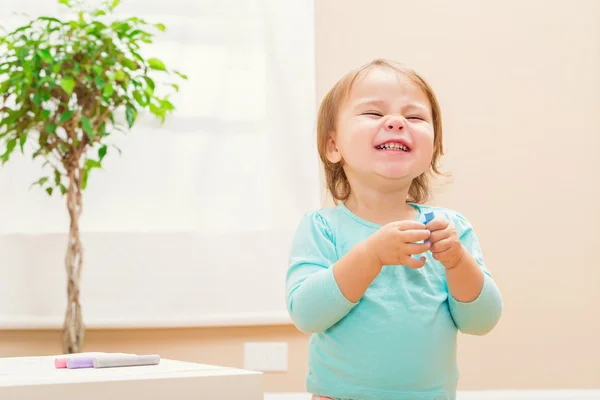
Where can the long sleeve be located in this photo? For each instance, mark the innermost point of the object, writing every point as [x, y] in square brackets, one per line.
[314, 300]
[480, 316]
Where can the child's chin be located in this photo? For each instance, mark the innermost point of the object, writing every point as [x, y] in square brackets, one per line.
[395, 173]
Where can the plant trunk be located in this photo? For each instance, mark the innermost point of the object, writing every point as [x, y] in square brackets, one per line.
[73, 329]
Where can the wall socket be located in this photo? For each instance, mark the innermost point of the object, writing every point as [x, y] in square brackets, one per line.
[266, 356]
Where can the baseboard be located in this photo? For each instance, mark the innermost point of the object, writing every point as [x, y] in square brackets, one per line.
[485, 395]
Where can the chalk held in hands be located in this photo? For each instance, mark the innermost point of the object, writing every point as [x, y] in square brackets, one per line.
[429, 217]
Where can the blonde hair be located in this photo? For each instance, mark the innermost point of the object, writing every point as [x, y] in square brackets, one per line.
[336, 180]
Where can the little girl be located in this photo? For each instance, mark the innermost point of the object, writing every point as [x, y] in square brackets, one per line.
[383, 281]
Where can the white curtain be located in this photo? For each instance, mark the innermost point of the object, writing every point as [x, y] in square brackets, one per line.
[237, 158]
[237, 154]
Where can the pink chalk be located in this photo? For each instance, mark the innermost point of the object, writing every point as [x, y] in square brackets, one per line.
[61, 362]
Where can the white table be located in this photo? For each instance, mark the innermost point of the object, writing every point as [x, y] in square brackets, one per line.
[36, 378]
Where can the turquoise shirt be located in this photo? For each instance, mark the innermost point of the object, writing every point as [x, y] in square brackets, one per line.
[399, 341]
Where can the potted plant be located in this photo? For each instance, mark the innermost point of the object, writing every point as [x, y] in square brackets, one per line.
[66, 87]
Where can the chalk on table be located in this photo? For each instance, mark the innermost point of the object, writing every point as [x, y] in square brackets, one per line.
[80, 362]
[61, 361]
[125, 360]
[84, 360]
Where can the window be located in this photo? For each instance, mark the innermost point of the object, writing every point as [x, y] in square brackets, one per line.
[215, 193]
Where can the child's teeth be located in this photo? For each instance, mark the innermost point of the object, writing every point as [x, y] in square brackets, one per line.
[393, 146]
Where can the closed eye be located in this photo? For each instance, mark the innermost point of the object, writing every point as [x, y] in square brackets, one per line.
[373, 113]
[416, 117]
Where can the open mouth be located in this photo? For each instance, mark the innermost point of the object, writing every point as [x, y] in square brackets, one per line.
[392, 146]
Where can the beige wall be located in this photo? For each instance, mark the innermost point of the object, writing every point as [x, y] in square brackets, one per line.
[519, 86]
[520, 91]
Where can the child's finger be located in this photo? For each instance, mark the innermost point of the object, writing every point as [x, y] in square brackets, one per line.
[442, 256]
[437, 224]
[409, 225]
[415, 263]
[415, 235]
[441, 246]
[438, 235]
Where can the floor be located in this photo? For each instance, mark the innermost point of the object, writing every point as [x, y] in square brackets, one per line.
[485, 395]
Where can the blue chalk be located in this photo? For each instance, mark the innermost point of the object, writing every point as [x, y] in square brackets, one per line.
[428, 217]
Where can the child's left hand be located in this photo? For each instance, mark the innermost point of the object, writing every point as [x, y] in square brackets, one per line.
[445, 243]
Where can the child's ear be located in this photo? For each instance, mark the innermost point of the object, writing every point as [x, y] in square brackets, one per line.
[333, 154]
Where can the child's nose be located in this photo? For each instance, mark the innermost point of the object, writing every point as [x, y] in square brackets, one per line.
[394, 124]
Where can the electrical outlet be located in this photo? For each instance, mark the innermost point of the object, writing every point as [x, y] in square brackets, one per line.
[266, 356]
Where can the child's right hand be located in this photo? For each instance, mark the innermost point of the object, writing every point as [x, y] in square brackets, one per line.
[394, 244]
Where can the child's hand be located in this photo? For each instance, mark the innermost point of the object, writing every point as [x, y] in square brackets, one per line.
[445, 243]
[394, 244]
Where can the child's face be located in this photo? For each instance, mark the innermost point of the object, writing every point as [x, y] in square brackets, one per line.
[384, 129]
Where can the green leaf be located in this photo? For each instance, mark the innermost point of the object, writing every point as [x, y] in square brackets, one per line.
[63, 189]
[50, 19]
[167, 105]
[43, 141]
[175, 86]
[40, 182]
[66, 116]
[65, 2]
[56, 177]
[120, 75]
[68, 84]
[84, 179]
[156, 64]
[131, 114]
[115, 3]
[102, 152]
[23, 52]
[150, 86]
[45, 55]
[139, 97]
[22, 140]
[91, 164]
[46, 114]
[182, 76]
[108, 90]
[37, 99]
[99, 13]
[51, 128]
[154, 109]
[49, 191]
[37, 153]
[10, 146]
[136, 55]
[161, 27]
[127, 63]
[86, 125]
